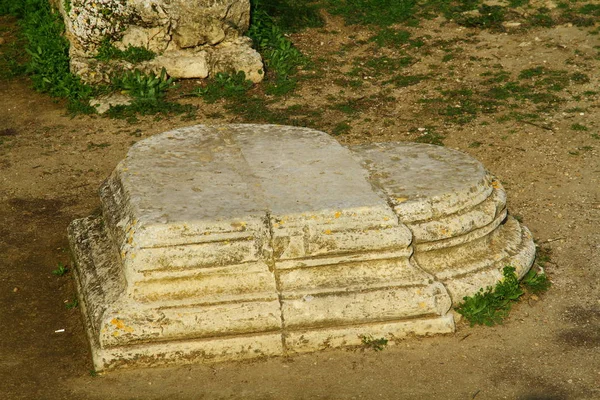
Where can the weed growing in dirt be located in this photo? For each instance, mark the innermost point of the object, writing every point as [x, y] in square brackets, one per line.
[143, 88]
[536, 282]
[74, 303]
[431, 137]
[148, 92]
[224, 86]
[487, 17]
[369, 342]
[160, 107]
[341, 128]
[12, 59]
[491, 306]
[401, 81]
[48, 51]
[60, 270]
[281, 58]
[579, 127]
[541, 18]
[388, 37]
[291, 15]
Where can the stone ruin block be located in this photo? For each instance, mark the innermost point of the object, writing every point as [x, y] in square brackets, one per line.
[191, 38]
[238, 241]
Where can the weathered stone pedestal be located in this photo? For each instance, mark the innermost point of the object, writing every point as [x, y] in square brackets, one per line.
[239, 241]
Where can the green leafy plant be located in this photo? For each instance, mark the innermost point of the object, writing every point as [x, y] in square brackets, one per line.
[225, 85]
[48, 52]
[74, 303]
[132, 54]
[579, 127]
[491, 306]
[60, 270]
[341, 128]
[290, 15]
[536, 282]
[388, 37]
[281, 58]
[143, 87]
[370, 342]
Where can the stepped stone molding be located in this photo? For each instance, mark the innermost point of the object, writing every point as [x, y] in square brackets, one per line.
[191, 38]
[240, 241]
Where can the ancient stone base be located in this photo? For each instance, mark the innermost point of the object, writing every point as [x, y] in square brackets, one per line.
[240, 241]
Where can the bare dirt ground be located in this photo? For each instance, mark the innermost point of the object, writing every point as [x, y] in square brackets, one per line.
[51, 166]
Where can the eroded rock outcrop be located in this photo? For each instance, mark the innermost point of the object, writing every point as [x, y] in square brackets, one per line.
[191, 38]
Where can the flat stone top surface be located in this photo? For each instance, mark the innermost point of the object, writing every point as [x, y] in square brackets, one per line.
[424, 181]
[220, 173]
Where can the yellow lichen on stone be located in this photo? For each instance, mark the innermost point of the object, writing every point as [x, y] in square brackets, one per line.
[338, 214]
[119, 324]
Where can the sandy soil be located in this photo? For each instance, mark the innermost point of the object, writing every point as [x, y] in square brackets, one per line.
[51, 166]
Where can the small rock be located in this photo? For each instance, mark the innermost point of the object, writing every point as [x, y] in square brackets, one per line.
[472, 13]
[511, 24]
[103, 103]
[15, 290]
[182, 64]
[534, 297]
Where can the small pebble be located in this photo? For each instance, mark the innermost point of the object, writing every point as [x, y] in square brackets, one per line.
[15, 290]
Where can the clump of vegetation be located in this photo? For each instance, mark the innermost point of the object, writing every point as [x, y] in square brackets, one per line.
[47, 50]
[341, 128]
[133, 54]
[428, 135]
[491, 306]
[74, 303]
[281, 58]
[536, 282]
[377, 344]
[48, 64]
[369, 12]
[148, 93]
[60, 270]
[143, 88]
[224, 85]
[579, 127]
[487, 17]
[290, 15]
